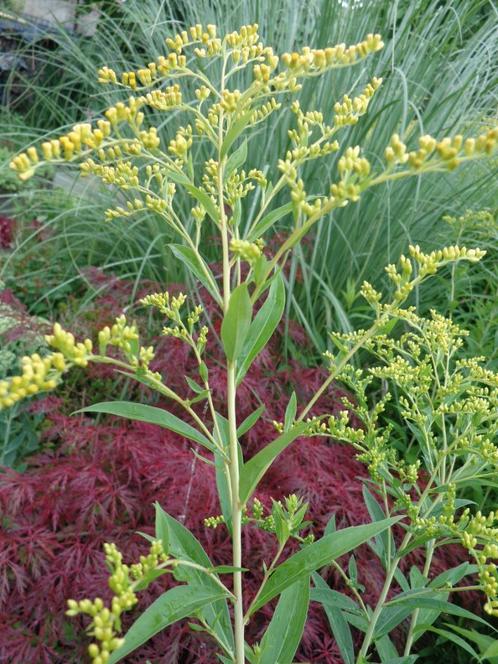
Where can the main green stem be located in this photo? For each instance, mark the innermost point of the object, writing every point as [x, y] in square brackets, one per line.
[236, 517]
[415, 614]
[367, 641]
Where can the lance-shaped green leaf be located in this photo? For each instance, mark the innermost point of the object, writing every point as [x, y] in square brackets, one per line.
[204, 199]
[199, 194]
[290, 412]
[198, 267]
[268, 220]
[317, 555]
[234, 132]
[263, 325]
[173, 605]
[236, 323]
[338, 623]
[250, 421]
[236, 159]
[256, 467]
[151, 415]
[281, 639]
[184, 546]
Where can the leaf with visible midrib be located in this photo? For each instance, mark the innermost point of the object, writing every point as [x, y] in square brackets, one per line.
[317, 555]
[173, 605]
[281, 639]
[236, 323]
[150, 415]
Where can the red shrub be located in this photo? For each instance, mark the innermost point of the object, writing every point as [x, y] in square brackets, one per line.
[98, 482]
[7, 226]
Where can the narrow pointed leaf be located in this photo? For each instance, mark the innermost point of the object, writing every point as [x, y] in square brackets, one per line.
[317, 555]
[236, 159]
[151, 415]
[290, 412]
[256, 467]
[250, 421]
[268, 220]
[263, 325]
[236, 323]
[184, 546]
[198, 267]
[338, 624]
[234, 132]
[281, 639]
[173, 605]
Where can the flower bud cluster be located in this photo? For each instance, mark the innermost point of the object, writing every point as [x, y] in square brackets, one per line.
[121, 335]
[165, 99]
[80, 139]
[181, 144]
[123, 175]
[245, 37]
[312, 61]
[78, 353]
[124, 579]
[247, 251]
[38, 375]
[348, 111]
[240, 183]
[446, 153]
[171, 308]
[285, 519]
[131, 207]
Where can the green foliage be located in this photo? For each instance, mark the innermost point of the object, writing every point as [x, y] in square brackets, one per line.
[222, 88]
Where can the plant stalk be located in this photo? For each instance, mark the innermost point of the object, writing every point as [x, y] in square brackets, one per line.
[367, 641]
[415, 614]
[236, 517]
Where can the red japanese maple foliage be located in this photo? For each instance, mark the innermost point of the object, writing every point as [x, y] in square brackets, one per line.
[96, 482]
[7, 226]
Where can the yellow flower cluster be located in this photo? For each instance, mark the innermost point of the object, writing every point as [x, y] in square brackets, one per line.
[246, 36]
[264, 110]
[352, 163]
[124, 174]
[121, 335]
[427, 264]
[315, 61]
[448, 151]
[247, 251]
[131, 207]
[240, 183]
[163, 100]
[38, 374]
[106, 621]
[181, 144]
[348, 111]
[478, 534]
[77, 353]
[163, 302]
[81, 137]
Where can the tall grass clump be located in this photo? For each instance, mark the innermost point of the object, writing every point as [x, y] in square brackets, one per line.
[439, 63]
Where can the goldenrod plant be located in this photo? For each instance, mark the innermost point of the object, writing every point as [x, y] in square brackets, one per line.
[239, 83]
